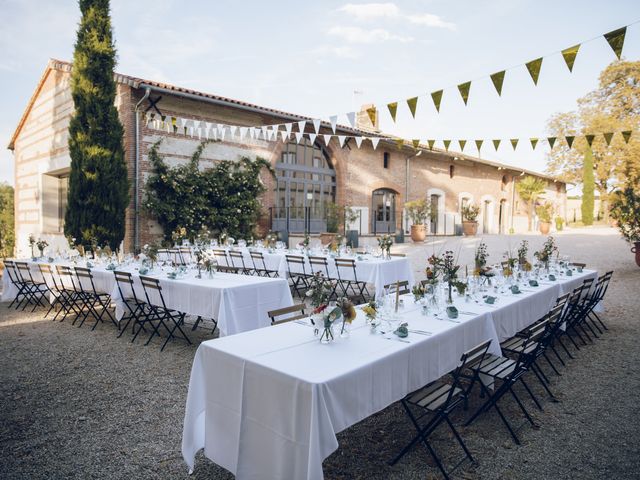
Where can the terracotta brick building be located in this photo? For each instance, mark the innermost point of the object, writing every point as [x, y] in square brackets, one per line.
[376, 182]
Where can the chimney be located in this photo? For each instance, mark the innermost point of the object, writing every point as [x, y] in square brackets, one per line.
[363, 119]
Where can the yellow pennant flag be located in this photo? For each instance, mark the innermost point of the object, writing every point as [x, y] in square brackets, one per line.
[437, 98]
[479, 144]
[373, 115]
[534, 67]
[464, 88]
[413, 103]
[446, 144]
[570, 140]
[393, 108]
[615, 39]
[174, 124]
[497, 79]
[569, 55]
[534, 142]
[608, 137]
[552, 141]
[626, 135]
[462, 143]
[589, 139]
[496, 144]
[431, 144]
[399, 143]
[415, 142]
[514, 143]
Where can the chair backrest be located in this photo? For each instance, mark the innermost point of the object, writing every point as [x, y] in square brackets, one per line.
[221, 254]
[124, 281]
[403, 286]
[260, 257]
[24, 272]
[400, 255]
[85, 279]
[532, 344]
[473, 360]
[601, 287]
[292, 261]
[237, 255]
[175, 256]
[347, 264]
[185, 253]
[47, 275]
[10, 268]
[319, 264]
[578, 264]
[294, 312]
[65, 272]
[151, 285]
[228, 269]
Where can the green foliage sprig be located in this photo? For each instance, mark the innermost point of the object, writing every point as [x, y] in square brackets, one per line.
[470, 212]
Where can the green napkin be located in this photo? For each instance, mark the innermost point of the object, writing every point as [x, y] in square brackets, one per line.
[515, 289]
[552, 278]
[452, 312]
[143, 271]
[490, 300]
[579, 269]
[402, 331]
[533, 283]
[569, 273]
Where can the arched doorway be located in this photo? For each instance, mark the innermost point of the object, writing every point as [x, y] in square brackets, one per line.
[436, 198]
[305, 184]
[384, 211]
[487, 211]
[502, 216]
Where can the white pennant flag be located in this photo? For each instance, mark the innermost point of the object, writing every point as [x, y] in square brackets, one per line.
[334, 120]
[232, 130]
[298, 136]
[220, 131]
[316, 125]
[358, 141]
[374, 142]
[167, 122]
[243, 132]
[181, 124]
[351, 117]
[327, 139]
[285, 136]
[341, 139]
[301, 125]
[312, 137]
[264, 132]
[287, 127]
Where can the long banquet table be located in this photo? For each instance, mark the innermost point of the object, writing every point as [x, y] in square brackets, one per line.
[238, 302]
[268, 403]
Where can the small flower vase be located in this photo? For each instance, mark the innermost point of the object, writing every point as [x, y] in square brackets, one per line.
[449, 297]
[345, 331]
[199, 275]
[210, 273]
[41, 252]
[327, 332]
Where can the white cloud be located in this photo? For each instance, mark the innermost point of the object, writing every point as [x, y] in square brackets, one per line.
[374, 11]
[361, 35]
[339, 52]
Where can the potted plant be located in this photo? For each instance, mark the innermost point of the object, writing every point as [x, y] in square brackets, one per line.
[351, 216]
[545, 212]
[333, 213]
[559, 223]
[418, 211]
[625, 209]
[470, 214]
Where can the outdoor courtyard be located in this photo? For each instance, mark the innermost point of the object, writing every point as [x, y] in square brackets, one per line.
[81, 404]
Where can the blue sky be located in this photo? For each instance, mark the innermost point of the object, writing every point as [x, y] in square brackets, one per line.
[310, 57]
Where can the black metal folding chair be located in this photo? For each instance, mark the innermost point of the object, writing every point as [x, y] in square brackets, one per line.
[35, 290]
[597, 296]
[97, 303]
[402, 286]
[439, 399]
[351, 287]
[228, 269]
[221, 256]
[260, 266]
[137, 309]
[287, 314]
[237, 260]
[72, 301]
[297, 273]
[14, 277]
[320, 266]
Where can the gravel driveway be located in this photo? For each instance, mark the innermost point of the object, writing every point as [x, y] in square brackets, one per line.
[81, 404]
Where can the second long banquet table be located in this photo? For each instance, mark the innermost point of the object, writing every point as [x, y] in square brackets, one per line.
[269, 403]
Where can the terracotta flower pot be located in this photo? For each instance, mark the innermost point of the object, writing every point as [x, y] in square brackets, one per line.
[545, 227]
[418, 233]
[636, 249]
[469, 228]
[326, 238]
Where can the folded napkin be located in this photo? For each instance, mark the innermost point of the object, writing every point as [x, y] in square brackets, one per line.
[402, 331]
[143, 270]
[569, 273]
[515, 289]
[533, 283]
[490, 300]
[452, 312]
[552, 278]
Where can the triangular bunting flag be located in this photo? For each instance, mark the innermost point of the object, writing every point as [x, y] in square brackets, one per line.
[327, 139]
[399, 143]
[534, 142]
[341, 139]
[589, 139]
[464, 88]
[374, 142]
[479, 144]
[534, 67]
[358, 141]
[373, 115]
[287, 127]
[569, 139]
[221, 133]
[496, 144]
[233, 129]
[415, 142]
[174, 124]
[552, 141]
[243, 132]
[462, 143]
[412, 103]
[334, 120]
[431, 143]
[437, 98]
[514, 143]
[285, 136]
[393, 109]
[446, 144]
[497, 79]
[298, 136]
[626, 135]
[301, 125]
[608, 137]
[616, 40]
[316, 125]
[569, 55]
[312, 137]
[351, 118]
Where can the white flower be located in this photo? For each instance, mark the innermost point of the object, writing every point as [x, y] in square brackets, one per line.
[309, 293]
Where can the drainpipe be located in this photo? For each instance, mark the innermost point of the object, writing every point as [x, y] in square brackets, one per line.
[136, 171]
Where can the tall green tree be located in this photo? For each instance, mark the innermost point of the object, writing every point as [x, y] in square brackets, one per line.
[613, 107]
[7, 224]
[529, 189]
[588, 188]
[98, 184]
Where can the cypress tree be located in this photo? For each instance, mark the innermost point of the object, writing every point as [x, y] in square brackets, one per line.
[98, 184]
[588, 187]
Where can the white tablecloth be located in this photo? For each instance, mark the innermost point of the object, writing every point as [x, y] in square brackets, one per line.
[268, 404]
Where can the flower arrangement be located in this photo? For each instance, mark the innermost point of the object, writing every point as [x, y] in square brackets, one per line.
[270, 240]
[336, 242]
[548, 249]
[523, 250]
[348, 313]
[306, 241]
[370, 311]
[385, 242]
[42, 244]
[319, 292]
[480, 261]
[434, 269]
[449, 271]
[178, 235]
[418, 292]
[151, 252]
[461, 287]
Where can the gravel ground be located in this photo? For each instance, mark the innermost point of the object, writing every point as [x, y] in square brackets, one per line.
[81, 404]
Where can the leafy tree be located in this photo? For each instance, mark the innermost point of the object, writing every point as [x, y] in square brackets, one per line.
[588, 187]
[613, 107]
[529, 189]
[7, 232]
[98, 186]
